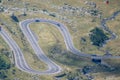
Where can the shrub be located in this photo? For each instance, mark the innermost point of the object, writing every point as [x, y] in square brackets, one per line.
[14, 18]
[4, 63]
[3, 75]
[98, 37]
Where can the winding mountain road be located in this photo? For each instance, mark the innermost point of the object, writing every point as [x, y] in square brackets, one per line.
[53, 68]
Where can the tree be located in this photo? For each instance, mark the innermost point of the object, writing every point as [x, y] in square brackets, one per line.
[3, 75]
[98, 37]
[14, 18]
[4, 64]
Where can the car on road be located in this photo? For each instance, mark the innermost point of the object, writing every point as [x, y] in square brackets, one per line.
[94, 55]
[37, 20]
[58, 25]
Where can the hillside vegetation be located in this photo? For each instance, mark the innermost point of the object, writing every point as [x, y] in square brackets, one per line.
[80, 17]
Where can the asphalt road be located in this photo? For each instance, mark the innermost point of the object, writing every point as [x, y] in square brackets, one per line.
[53, 68]
[65, 33]
[20, 61]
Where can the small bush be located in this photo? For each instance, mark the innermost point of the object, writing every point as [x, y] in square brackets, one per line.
[14, 18]
[3, 75]
[53, 15]
[4, 64]
[98, 37]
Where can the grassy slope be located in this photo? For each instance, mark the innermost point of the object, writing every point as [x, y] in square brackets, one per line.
[47, 35]
[113, 45]
[30, 57]
[79, 24]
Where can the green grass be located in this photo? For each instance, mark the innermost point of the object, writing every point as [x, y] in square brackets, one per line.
[113, 46]
[49, 35]
[3, 44]
[16, 34]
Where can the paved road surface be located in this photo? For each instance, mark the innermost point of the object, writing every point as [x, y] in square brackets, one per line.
[20, 61]
[53, 67]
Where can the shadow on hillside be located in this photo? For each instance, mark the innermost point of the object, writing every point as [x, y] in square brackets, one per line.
[111, 68]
